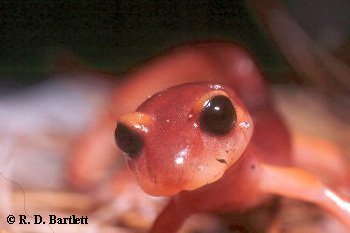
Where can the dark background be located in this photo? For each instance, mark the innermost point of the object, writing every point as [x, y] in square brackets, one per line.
[116, 35]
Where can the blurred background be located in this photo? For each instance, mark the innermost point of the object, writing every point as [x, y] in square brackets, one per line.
[116, 35]
[58, 60]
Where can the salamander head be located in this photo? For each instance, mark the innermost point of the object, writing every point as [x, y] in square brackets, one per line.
[184, 137]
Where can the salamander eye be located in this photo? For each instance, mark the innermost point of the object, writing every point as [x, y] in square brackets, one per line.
[128, 141]
[218, 115]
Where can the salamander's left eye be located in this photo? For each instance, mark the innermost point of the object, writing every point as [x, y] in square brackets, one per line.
[218, 115]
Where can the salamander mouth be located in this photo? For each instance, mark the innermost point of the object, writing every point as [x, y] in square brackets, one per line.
[190, 180]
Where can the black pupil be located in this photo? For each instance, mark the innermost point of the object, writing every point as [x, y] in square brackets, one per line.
[218, 115]
[128, 141]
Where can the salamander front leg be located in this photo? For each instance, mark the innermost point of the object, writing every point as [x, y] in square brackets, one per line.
[298, 184]
[323, 158]
[170, 219]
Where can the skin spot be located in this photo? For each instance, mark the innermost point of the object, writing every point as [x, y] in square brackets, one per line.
[215, 86]
[141, 127]
[179, 160]
[221, 161]
[252, 166]
[245, 125]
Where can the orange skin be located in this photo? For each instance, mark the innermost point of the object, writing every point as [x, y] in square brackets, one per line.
[203, 172]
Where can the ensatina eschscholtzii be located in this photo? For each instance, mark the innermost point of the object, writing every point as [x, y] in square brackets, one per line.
[214, 143]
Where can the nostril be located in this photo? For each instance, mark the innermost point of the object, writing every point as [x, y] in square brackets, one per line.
[128, 140]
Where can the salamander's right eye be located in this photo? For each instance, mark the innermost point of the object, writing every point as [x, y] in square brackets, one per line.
[128, 140]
